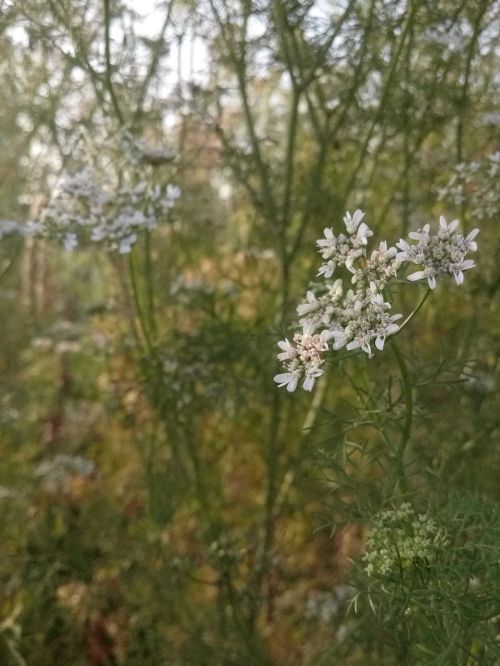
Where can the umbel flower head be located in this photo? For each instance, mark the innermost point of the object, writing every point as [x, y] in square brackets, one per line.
[440, 254]
[347, 306]
[303, 359]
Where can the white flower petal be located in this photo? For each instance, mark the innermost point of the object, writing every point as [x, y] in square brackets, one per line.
[283, 378]
[419, 275]
[288, 379]
[304, 308]
[358, 216]
[391, 329]
[308, 383]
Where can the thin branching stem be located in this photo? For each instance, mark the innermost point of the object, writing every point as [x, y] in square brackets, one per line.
[139, 308]
[467, 74]
[408, 417]
[109, 69]
[415, 309]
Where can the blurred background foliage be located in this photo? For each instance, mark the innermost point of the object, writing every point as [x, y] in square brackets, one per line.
[162, 502]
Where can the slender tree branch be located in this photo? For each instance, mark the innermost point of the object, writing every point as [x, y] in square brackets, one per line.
[107, 55]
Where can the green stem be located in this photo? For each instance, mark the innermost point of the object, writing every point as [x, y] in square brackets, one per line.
[408, 396]
[406, 431]
[415, 310]
[149, 271]
[467, 74]
[379, 113]
[107, 55]
[138, 304]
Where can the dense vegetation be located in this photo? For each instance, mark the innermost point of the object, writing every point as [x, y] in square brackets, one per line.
[166, 170]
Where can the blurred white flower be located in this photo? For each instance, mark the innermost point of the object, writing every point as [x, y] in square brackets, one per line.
[70, 241]
[8, 227]
[111, 198]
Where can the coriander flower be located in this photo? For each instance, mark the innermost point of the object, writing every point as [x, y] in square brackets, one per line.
[354, 225]
[368, 322]
[343, 250]
[357, 315]
[302, 360]
[440, 254]
[311, 304]
[379, 268]
[288, 379]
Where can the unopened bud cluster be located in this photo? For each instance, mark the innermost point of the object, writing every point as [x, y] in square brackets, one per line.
[357, 316]
[400, 539]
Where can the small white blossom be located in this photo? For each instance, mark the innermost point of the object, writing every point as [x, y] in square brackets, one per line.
[288, 379]
[288, 352]
[354, 225]
[310, 304]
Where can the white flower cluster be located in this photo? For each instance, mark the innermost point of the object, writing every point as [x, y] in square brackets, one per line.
[477, 185]
[400, 539]
[439, 254]
[358, 317]
[82, 208]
